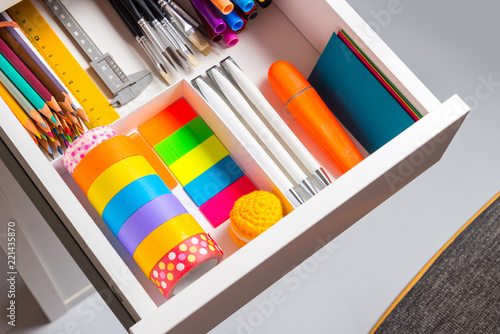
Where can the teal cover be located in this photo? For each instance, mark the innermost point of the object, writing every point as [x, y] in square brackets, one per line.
[356, 97]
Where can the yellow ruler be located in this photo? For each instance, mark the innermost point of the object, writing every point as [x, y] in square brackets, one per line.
[55, 53]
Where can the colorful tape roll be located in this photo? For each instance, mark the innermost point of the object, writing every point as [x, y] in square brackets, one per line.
[149, 153]
[115, 178]
[197, 159]
[147, 219]
[135, 202]
[163, 239]
[79, 148]
[100, 158]
[131, 198]
[195, 255]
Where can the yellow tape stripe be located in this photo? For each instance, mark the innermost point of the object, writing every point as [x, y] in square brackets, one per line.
[198, 160]
[55, 53]
[429, 264]
[115, 178]
[164, 239]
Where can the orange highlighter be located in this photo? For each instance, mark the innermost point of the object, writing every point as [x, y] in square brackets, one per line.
[304, 103]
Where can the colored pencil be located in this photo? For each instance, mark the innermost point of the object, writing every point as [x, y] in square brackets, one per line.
[56, 140]
[18, 111]
[24, 43]
[44, 144]
[71, 118]
[43, 132]
[24, 87]
[22, 101]
[33, 137]
[28, 76]
[52, 120]
[35, 69]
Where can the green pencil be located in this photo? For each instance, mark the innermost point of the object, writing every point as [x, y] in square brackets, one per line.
[24, 87]
[22, 101]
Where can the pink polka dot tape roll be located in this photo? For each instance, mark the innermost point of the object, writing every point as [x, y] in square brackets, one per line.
[185, 263]
[86, 142]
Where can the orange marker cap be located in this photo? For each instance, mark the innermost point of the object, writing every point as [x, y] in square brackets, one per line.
[225, 6]
[286, 80]
[313, 114]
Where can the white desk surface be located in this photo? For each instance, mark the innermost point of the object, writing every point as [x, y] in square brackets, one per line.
[348, 285]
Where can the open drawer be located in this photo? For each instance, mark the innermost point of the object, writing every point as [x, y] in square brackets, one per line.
[288, 31]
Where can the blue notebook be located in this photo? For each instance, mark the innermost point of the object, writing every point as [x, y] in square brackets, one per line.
[356, 97]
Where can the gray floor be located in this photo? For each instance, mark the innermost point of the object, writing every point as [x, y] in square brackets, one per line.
[460, 291]
[453, 47]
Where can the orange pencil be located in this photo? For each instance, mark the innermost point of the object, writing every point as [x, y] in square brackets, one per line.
[33, 137]
[18, 111]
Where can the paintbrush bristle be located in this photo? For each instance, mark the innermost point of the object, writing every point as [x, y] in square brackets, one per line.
[167, 77]
[199, 42]
[206, 51]
[193, 60]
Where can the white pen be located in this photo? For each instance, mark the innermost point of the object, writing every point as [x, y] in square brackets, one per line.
[245, 110]
[259, 101]
[247, 140]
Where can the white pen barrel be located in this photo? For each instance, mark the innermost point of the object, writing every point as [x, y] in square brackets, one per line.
[245, 138]
[243, 108]
[279, 125]
[267, 137]
[264, 160]
[255, 96]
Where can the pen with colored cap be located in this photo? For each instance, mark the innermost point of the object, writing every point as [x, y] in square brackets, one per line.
[245, 110]
[264, 107]
[264, 3]
[230, 120]
[304, 103]
[245, 5]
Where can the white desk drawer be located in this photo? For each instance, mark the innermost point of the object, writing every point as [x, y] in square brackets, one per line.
[247, 271]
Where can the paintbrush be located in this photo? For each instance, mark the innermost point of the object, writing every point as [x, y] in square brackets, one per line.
[166, 30]
[186, 27]
[166, 51]
[141, 39]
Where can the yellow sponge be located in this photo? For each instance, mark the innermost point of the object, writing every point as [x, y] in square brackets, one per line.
[252, 214]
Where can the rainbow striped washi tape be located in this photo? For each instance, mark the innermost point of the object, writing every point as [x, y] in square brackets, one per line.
[137, 206]
[197, 159]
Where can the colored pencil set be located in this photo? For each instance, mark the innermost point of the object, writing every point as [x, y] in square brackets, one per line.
[38, 100]
[168, 34]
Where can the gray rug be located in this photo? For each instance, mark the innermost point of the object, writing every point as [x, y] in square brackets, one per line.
[460, 293]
